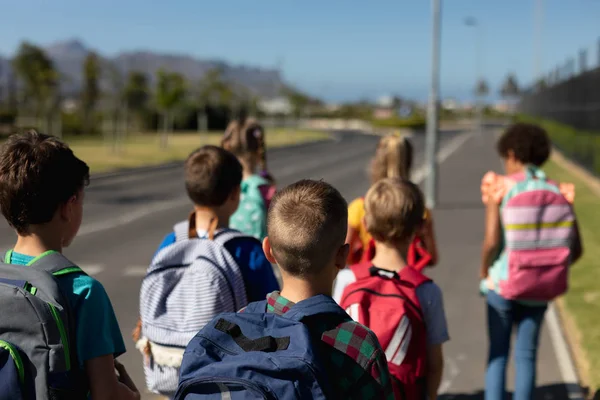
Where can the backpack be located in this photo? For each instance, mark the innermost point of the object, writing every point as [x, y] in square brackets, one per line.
[257, 355]
[386, 302]
[539, 226]
[187, 284]
[38, 358]
[251, 215]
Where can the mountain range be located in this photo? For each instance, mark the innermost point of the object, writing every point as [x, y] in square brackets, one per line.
[68, 57]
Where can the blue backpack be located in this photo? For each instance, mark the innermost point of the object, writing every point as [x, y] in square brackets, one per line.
[257, 355]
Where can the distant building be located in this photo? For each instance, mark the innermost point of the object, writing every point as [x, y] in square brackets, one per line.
[69, 105]
[275, 106]
[450, 104]
[385, 102]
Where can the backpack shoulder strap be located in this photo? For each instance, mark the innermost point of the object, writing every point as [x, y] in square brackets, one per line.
[320, 304]
[251, 186]
[258, 307]
[413, 277]
[361, 270]
[181, 231]
[52, 262]
[225, 235]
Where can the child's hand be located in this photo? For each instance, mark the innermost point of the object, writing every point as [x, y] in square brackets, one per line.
[483, 273]
[125, 379]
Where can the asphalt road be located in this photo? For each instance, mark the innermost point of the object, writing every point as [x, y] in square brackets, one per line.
[127, 217]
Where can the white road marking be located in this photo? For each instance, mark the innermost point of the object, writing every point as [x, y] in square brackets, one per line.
[92, 269]
[422, 172]
[563, 356]
[132, 216]
[137, 271]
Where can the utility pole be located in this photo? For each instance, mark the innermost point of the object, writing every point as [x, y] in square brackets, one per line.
[539, 9]
[431, 142]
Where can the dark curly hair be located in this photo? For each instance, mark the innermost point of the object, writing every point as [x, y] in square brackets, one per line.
[529, 143]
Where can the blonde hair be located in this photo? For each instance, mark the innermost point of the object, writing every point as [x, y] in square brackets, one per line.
[393, 158]
[307, 223]
[394, 210]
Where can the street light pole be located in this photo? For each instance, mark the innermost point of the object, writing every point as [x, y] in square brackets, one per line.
[431, 142]
[539, 7]
[474, 23]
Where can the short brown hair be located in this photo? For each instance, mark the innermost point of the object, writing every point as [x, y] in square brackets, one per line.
[211, 175]
[393, 158]
[394, 210]
[307, 223]
[530, 144]
[38, 173]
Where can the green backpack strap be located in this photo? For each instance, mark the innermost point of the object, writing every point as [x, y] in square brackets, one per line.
[533, 172]
[50, 261]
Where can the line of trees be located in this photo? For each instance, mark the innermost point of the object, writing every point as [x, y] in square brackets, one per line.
[128, 100]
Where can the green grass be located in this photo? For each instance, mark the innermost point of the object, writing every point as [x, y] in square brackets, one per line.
[582, 146]
[143, 149]
[582, 302]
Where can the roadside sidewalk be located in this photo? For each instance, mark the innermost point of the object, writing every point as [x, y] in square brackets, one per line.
[459, 225]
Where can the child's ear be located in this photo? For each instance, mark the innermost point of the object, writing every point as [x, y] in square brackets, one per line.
[66, 209]
[342, 256]
[236, 193]
[266, 245]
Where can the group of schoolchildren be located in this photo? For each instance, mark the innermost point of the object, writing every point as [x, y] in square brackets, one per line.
[356, 316]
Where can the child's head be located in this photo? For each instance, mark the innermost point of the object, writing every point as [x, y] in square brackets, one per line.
[522, 144]
[307, 224]
[246, 139]
[212, 179]
[393, 158]
[41, 185]
[394, 210]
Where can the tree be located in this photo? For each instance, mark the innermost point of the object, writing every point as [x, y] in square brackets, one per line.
[510, 88]
[39, 77]
[170, 91]
[298, 100]
[137, 93]
[482, 89]
[91, 90]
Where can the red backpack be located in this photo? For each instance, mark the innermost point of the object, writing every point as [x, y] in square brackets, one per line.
[387, 303]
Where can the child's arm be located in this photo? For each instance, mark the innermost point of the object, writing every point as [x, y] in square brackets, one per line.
[432, 304]
[435, 370]
[491, 241]
[428, 236]
[577, 248]
[106, 384]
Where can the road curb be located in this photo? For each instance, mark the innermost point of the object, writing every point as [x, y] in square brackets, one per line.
[563, 355]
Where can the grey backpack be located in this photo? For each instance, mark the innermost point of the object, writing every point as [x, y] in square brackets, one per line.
[187, 284]
[37, 331]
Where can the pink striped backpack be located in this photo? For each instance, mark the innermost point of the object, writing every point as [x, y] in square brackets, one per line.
[539, 227]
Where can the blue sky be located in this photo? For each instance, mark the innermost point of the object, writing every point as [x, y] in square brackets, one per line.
[337, 49]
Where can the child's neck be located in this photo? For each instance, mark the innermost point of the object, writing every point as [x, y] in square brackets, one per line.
[248, 168]
[297, 289]
[204, 216]
[37, 242]
[390, 257]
